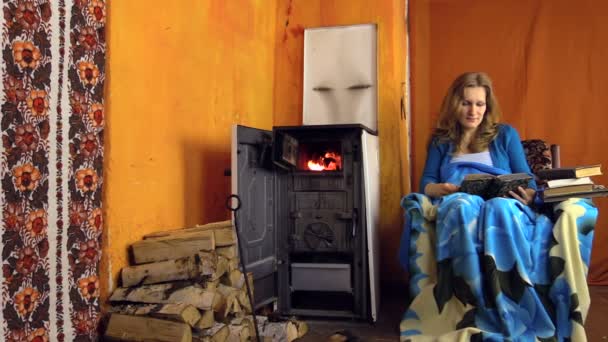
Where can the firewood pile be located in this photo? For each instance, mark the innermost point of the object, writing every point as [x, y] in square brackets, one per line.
[187, 285]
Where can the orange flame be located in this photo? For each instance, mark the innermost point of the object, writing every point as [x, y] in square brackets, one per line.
[330, 161]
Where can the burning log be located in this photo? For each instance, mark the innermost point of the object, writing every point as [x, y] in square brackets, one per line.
[137, 328]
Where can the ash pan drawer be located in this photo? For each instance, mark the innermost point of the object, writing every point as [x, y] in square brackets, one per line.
[321, 277]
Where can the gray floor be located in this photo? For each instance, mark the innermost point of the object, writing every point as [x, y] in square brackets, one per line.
[393, 305]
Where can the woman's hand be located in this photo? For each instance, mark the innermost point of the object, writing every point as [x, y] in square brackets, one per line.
[525, 196]
[440, 189]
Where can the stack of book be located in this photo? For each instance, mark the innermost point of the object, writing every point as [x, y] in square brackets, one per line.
[566, 182]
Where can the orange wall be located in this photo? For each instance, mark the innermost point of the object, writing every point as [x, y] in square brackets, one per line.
[180, 74]
[547, 60]
[296, 15]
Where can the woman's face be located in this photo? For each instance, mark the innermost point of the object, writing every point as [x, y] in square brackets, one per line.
[472, 108]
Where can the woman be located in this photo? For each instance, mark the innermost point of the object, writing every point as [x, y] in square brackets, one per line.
[495, 269]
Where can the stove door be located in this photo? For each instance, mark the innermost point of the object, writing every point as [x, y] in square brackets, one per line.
[254, 181]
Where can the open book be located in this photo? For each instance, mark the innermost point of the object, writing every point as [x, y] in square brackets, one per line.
[490, 186]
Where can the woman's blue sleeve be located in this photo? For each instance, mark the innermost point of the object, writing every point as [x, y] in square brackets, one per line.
[431, 167]
[517, 156]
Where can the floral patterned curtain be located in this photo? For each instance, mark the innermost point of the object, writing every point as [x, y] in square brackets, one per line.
[51, 168]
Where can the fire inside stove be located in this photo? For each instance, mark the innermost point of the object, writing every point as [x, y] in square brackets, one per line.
[320, 157]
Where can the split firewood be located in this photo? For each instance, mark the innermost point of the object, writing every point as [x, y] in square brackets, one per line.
[238, 333]
[221, 267]
[197, 228]
[235, 278]
[168, 248]
[230, 297]
[234, 264]
[205, 322]
[243, 300]
[138, 328]
[214, 225]
[230, 252]
[183, 313]
[245, 321]
[170, 293]
[193, 267]
[217, 333]
[210, 285]
[300, 326]
[282, 331]
[224, 237]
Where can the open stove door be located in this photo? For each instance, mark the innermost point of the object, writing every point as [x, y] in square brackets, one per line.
[254, 181]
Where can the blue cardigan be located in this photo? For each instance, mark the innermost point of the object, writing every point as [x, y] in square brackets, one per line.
[506, 151]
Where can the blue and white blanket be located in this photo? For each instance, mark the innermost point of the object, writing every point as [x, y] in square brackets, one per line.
[495, 270]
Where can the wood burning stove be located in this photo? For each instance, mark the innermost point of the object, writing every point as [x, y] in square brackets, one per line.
[309, 207]
[310, 193]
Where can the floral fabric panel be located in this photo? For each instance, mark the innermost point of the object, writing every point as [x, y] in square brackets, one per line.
[538, 154]
[52, 125]
[496, 270]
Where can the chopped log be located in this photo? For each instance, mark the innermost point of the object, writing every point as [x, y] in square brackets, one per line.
[217, 333]
[214, 225]
[236, 279]
[301, 327]
[210, 285]
[197, 228]
[170, 293]
[232, 303]
[168, 248]
[221, 267]
[137, 328]
[238, 333]
[193, 267]
[234, 264]
[285, 331]
[230, 252]
[224, 237]
[243, 300]
[183, 313]
[245, 322]
[206, 321]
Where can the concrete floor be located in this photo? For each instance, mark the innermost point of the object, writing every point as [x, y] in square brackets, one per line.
[393, 306]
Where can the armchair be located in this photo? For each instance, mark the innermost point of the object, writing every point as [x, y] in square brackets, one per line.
[540, 155]
[497, 270]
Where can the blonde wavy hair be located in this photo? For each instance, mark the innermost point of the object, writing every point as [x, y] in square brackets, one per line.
[449, 129]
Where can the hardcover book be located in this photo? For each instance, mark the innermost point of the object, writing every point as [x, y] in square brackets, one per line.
[558, 183]
[570, 172]
[490, 186]
[597, 191]
[567, 190]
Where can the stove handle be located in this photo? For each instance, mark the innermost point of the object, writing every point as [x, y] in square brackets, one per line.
[355, 217]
